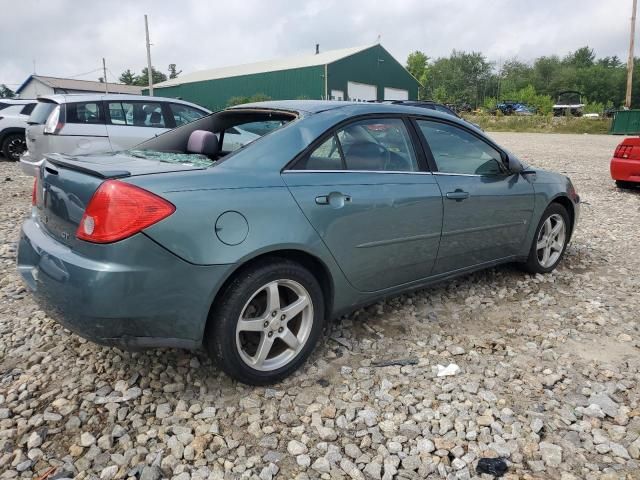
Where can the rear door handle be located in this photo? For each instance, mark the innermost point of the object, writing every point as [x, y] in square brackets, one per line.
[335, 199]
[458, 195]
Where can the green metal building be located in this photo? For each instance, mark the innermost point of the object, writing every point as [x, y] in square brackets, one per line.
[361, 73]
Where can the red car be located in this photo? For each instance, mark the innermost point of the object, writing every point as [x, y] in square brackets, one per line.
[625, 164]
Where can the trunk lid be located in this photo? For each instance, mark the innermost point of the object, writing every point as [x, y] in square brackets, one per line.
[65, 185]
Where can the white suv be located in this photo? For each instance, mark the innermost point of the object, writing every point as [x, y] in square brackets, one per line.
[95, 123]
[13, 123]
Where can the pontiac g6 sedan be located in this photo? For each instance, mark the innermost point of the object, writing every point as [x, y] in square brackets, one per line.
[182, 242]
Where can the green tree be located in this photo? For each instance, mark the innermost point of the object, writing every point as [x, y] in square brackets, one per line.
[581, 58]
[6, 92]
[461, 77]
[128, 77]
[173, 72]
[417, 64]
[143, 79]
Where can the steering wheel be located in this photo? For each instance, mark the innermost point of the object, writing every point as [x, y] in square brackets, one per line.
[395, 162]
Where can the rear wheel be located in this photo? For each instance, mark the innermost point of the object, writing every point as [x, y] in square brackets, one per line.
[13, 146]
[621, 184]
[267, 323]
[550, 240]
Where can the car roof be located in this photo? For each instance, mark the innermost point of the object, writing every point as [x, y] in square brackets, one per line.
[87, 97]
[351, 108]
[17, 101]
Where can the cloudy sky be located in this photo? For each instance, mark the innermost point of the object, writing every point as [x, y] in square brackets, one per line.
[68, 38]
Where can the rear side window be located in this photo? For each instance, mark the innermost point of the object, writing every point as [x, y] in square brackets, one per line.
[245, 133]
[382, 145]
[184, 114]
[457, 151]
[325, 157]
[85, 112]
[136, 114]
[41, 112]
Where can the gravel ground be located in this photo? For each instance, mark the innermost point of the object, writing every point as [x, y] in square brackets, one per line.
[545, 372]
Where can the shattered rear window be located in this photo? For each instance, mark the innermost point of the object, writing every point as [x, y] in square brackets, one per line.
[191, 159]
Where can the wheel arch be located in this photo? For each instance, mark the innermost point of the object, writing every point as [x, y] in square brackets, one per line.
[10, 130]
[569, 207]
[311, 262]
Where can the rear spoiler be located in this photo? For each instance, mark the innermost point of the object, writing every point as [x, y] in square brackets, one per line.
[96, 170]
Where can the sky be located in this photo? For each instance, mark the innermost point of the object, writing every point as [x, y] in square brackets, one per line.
[69, 38]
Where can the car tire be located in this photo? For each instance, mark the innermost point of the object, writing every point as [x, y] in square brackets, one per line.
[624, 185]
[548, 245]
[13, 146]
[251, 318]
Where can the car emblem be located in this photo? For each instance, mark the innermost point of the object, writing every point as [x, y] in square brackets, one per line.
[65, 235]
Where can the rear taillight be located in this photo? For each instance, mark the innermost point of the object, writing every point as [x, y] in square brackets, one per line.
[119, 210]
[53, 124]
[627, 151]
[34, 193]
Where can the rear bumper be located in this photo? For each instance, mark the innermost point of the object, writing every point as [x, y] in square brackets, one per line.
[625, 170]
[130, 294]
[29, 165]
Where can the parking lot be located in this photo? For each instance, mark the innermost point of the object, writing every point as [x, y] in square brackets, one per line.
[548, 371]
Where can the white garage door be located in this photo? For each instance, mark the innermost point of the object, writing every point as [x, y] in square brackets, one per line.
[395, 94]
[361, 91]
[337, 95]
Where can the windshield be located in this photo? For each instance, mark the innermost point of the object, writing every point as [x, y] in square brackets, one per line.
[41, 113]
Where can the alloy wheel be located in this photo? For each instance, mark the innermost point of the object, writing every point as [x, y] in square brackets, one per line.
[274, 325]
[16, 147]
[551, 239]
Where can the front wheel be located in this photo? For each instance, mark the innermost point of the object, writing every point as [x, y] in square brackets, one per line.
[13, 146]
[267, 322]
[550, 240]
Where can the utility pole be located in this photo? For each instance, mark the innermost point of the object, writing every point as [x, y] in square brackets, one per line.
[104, 73]
[627, 102]
[149, 67]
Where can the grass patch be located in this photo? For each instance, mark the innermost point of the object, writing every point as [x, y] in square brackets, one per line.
[541, 124]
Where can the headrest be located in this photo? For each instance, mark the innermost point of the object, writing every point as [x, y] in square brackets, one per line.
[204, 142]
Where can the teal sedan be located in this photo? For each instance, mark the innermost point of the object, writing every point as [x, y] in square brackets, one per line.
[189, 240]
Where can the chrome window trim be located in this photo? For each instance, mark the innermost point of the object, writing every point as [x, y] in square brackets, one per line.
[471, 174]
[458, 174]
[396, 172]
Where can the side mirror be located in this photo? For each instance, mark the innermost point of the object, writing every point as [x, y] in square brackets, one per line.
[513, 164]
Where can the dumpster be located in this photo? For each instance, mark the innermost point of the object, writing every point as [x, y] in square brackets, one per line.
[625, 122]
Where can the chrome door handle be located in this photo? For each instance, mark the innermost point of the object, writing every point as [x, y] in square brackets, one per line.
[458, 195]
[335, 199]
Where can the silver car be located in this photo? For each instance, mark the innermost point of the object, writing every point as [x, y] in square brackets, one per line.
[98, 123]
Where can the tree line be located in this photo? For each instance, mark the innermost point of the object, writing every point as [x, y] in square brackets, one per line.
[468, 77]
[130, 78]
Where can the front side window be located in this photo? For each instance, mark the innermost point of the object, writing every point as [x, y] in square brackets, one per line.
[137, 114]
[184, 114]
[372, 145]
[457, 151]
[85, 112]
